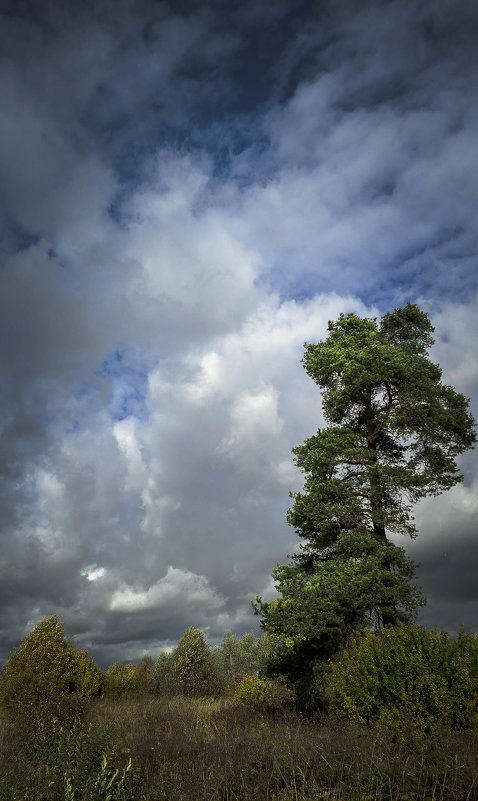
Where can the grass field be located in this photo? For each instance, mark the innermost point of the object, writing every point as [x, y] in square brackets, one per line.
[198, 750]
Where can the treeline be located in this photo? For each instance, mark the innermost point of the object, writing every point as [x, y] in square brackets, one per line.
[403, 678]
[204, 723]
[48, 676]
[192, 669]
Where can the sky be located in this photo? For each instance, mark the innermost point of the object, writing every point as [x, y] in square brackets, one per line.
[189, 191]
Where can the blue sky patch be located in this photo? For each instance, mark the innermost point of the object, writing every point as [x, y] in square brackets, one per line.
[129, 386]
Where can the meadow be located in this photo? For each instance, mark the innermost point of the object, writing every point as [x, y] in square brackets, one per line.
[197, 749]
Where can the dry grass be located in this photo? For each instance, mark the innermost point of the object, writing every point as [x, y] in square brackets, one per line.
[200, 750]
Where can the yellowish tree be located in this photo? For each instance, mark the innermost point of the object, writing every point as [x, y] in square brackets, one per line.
[192, 670]
[45, 675]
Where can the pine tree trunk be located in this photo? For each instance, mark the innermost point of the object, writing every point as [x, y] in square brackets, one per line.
[376, 495]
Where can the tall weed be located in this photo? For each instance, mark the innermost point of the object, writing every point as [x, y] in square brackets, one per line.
[149, 749]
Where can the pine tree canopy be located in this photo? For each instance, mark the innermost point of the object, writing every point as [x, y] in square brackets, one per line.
[395, 432]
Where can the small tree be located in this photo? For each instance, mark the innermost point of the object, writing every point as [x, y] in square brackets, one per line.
[238, 657]
[161, 676]
[89, 679]
[121, 681]
[395, 432]
[192, 670]
[145, 675]
[42, 676]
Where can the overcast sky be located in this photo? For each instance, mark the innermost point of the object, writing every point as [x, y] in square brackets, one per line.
[188, 192]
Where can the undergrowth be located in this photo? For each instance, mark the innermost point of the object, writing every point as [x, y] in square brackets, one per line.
[221, 750]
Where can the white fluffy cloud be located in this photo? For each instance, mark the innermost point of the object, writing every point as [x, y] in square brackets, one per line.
[154, 303]
[176, 587]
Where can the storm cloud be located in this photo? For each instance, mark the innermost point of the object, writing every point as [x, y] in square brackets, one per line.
[188, 192]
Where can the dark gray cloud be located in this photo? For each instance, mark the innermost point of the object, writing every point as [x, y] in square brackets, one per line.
[190, 191]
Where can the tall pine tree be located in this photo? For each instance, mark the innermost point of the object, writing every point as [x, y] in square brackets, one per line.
[395, 432]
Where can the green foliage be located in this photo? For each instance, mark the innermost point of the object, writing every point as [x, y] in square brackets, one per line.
[144, 673]
[121, 681]
[130, 681]
[89, 679]
[111, 783]
[192, 671]
[69, 764]
[254, 690]
[45, 676]
[260, 691]
[407, 676]
[395, 431]
[161, 674]
[319, 610]
[236, 657]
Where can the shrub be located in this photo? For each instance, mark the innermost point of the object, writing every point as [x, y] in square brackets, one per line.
[44, 676]
[258, 691]
[121, 681]
[192, 671]
[407, 675]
